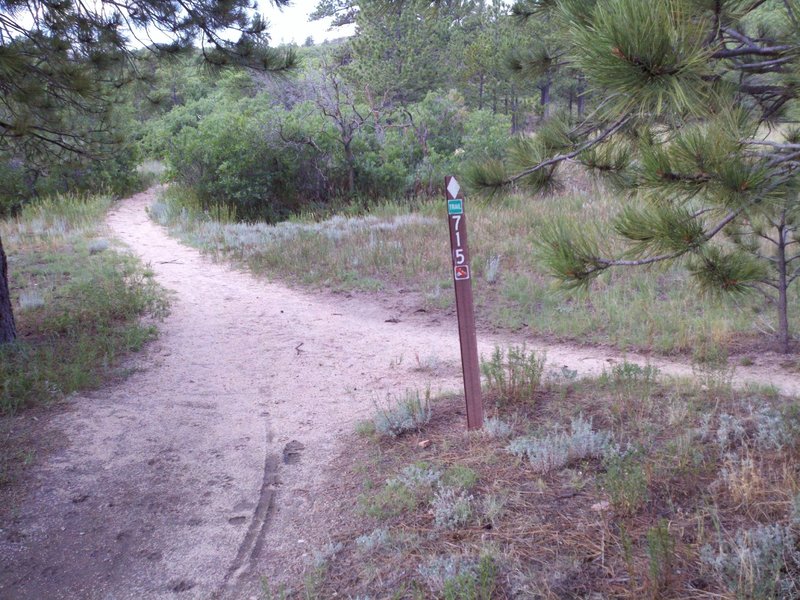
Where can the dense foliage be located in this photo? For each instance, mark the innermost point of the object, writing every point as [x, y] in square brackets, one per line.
[62, 68]
[265, 152]
[685, 106]
[63, 121]
[697, 126]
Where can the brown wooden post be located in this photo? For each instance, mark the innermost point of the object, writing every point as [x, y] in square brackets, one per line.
[462, 279]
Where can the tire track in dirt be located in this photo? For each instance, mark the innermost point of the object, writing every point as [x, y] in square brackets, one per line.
[172, 483]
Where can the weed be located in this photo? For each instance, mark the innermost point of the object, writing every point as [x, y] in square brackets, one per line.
[30, 299]
[80, 311]
[460, 476]
[730, 431]
[496, 428]
[773, 429]
[428, 364]
[660, 552]
[557, 450]
[631, 383]
[492, 270]
[312, 582]
[625, 481]
[409, 413]
[417, 476]
[459, 577]
[742, 477]
[268, 593]
[626, 544]
[365, 428]
[631, 377]
[685, 454]
[475, 584]
[757, 563]
[97, 246]
[373, 541]
[322, 556]
[391, 500]
[712, 370]
[452, 508]
[493, 507]
[514, 375]
[314, 577]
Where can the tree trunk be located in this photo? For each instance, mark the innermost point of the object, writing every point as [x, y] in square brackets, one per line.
[545, 99]
[350, 159]
[581, 90]
[8, 329]
[783, 302]
[480, 92]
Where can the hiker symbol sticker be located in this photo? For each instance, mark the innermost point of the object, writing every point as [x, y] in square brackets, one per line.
[461, 272]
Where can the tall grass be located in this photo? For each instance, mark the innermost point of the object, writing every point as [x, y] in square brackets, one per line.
[391, 246]
[78, 304]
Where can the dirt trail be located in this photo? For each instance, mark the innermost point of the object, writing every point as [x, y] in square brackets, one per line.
[199, 471]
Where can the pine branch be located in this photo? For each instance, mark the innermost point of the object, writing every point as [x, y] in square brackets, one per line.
[779, 145]
[569, 155]
[752, 50]
[765, 66]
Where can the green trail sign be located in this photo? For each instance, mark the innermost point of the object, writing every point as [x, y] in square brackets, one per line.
[455, 207]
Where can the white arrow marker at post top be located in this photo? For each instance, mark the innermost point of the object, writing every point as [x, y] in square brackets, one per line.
[453, 188]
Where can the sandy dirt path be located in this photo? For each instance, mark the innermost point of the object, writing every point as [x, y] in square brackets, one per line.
[198, 472]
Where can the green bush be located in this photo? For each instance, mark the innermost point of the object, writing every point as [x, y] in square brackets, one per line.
[264, 160]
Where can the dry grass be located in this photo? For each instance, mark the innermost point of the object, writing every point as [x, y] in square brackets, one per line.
[78, 302]
[397, 246]
[720, 483]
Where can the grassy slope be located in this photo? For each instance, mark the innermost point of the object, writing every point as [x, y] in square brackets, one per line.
[393, 247]
[78, 302]
[678, 490]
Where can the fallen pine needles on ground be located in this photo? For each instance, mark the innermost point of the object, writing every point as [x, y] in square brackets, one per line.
[629, 485]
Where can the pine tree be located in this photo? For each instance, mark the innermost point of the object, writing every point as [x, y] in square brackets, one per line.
[399, 52]
[61, 62]
[696, 125]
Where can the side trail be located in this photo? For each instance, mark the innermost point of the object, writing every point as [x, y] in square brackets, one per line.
[198, 472]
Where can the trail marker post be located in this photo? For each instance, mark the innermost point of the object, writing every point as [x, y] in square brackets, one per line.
[462, 280]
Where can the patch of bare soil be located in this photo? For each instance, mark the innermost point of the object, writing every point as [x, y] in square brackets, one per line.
[209, 466]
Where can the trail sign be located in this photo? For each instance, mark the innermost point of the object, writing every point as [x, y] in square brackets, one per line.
[455, 207]
[457, 221]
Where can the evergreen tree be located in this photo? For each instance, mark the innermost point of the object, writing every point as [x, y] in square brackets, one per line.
[696, 124]
[398, 53]
[61, 62]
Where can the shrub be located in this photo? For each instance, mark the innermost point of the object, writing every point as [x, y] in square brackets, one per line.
[372, 541]
[632, 382]
[514, 375]
[758, 563]
[460, 578]
[452, 508]
[419, 475]
[660, 551]
[625, 481]
[460, 476]
[409, 413]
[496, 427]
[557, 450]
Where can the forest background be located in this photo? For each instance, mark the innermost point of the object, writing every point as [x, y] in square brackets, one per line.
[492, 94]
